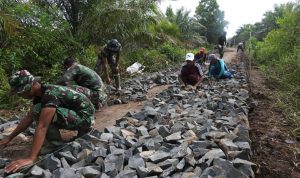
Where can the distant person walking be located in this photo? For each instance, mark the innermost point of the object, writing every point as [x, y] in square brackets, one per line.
[240, 47]
[221, 43]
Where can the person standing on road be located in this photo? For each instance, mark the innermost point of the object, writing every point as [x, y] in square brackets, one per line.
[54, 107]
[191, 72]
[110, 55]
[240, 47]
[217, 68]
[85, 77]
[221, 43]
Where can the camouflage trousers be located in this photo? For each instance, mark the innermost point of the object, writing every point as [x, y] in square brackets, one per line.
[64, 118]
[112, 64]
[97, 97]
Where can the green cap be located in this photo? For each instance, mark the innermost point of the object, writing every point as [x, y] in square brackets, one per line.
[21, 82]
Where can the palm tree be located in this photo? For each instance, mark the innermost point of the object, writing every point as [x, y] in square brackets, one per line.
[189, 27]
[126, 20]
[8, 27]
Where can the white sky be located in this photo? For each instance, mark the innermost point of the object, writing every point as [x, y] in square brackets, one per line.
[237, 12]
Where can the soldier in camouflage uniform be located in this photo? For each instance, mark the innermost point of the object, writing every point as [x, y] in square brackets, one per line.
[110, 55]
[54, 107]
[85, 77]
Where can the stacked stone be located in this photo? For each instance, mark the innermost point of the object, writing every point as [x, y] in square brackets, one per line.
[136, 89]
[201, 133]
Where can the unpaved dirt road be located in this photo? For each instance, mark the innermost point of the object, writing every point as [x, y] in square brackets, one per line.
[109, 115]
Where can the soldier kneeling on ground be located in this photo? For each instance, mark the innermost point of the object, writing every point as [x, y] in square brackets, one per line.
[54, 107]
[84, 77]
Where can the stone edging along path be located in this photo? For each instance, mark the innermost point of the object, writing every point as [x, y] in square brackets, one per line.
[202, 133]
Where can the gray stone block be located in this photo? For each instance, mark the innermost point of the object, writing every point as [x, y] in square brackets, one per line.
[173, 137]
[63, 173]
[36, 171]
[214, 171]
[168, 163]
[89, 172]
[136, 161]
[68, 156]
[51, 162]
[113, 162]
[64, 163]
[229, 169]
[180, 165]
[159, 156]
[128, 174]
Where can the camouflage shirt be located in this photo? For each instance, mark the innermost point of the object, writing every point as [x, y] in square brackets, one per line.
[60, 96]
[110, 55]
[83, 76]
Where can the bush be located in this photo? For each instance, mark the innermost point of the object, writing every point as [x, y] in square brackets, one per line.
[279, 56]
[167, 28]
[153, 60]
[173, 53]
[165, 56]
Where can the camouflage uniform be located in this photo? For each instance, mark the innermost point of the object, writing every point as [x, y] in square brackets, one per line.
[74, 111]
[86, 77]
[111, 59]
[21, 82]
[110, 51]
[87, 92]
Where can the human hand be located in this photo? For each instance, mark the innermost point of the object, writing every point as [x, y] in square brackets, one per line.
[16, 165]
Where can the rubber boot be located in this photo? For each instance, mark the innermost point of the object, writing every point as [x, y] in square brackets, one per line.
[117, 82]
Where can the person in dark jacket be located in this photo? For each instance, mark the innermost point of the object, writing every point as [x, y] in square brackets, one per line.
[191, 72]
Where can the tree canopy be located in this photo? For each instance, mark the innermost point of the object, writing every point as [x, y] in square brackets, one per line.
[209, 15]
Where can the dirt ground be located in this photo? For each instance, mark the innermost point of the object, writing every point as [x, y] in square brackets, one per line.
[275, 152]
[109, 115]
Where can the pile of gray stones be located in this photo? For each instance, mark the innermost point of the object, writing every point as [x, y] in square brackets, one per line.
[180, 133]
[136, 89]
